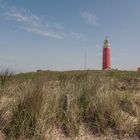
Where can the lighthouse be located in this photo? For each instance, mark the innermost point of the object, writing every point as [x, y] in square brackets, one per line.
[106, 55]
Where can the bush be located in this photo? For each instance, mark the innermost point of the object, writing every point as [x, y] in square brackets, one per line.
[5, 76]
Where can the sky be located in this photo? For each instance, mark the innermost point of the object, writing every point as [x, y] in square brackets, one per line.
[55, 34]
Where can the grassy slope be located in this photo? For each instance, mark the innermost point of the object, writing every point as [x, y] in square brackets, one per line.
[55, 74]
[34, 104]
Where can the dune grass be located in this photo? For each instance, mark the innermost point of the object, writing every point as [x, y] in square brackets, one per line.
[30, 106]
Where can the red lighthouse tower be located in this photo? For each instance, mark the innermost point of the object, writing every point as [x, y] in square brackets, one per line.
[106, 55]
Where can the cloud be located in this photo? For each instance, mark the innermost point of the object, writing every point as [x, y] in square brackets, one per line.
[57, 35]
[35, 24]
[26, 17]
[44, 33]
[89, 17]
[13, 14]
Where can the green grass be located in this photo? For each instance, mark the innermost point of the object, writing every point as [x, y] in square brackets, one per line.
[31, 104]
[54, 75]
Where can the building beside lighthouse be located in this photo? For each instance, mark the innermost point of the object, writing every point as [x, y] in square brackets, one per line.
[106, 55]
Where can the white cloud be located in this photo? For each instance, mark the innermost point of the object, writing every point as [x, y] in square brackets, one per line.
[57, 35]
[24, 16]
[89, 17]
[35, 24]
[44, 33]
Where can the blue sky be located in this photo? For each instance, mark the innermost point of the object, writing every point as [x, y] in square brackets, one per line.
[54, 34]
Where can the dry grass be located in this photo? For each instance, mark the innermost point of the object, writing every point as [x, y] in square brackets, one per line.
[70, 106]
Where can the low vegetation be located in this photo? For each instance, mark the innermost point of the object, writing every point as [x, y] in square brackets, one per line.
[70, 105]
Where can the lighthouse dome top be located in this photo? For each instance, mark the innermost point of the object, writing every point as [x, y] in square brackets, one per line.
[106, 43]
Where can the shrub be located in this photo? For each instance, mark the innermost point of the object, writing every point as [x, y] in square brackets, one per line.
[5, 76]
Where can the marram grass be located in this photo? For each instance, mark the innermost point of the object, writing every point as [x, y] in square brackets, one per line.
[100, 102]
